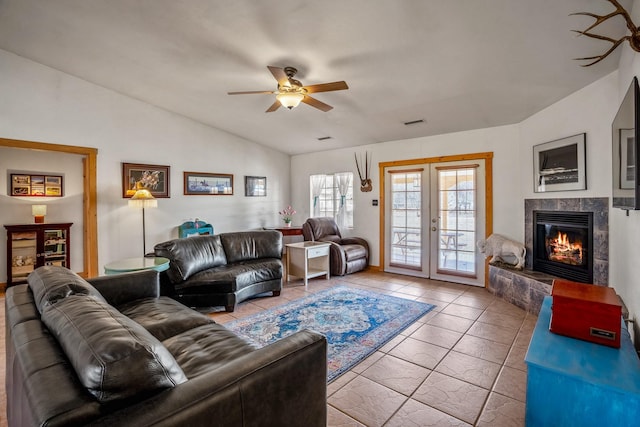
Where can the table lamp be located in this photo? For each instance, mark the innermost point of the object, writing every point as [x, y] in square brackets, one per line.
[143, 199]
[38, 212]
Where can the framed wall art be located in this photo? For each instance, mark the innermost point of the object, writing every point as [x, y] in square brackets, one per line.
[136, 176]
[36, 185]
[208, 184]
[255, 186]
[560, 165]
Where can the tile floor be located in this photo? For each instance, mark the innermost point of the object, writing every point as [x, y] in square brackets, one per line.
[460, 365]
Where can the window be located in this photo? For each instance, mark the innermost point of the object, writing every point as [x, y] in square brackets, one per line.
[332, 196]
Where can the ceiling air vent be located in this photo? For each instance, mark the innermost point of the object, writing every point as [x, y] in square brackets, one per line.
[324, 138]
[413, 122]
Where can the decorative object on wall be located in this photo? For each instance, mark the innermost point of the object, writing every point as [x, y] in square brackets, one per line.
[255, 186]
[208, 184]
[38, 212]
[143, 199]
[291, 92]
[365, 182]
[560, 165]
[633, 38]
[36, 185]
[287, 215]
[153, 178]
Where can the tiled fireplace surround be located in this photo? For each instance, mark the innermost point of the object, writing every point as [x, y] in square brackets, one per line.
[527, 288]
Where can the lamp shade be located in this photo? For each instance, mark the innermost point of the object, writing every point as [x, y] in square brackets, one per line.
[38, 212]
[143, 199]
[290, 99]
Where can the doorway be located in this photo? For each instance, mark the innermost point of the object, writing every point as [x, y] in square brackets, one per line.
[90, 231]
[433, 212]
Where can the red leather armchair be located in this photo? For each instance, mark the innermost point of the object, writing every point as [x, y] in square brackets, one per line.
[347, 255]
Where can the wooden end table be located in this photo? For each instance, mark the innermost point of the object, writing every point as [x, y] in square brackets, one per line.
[308, 260]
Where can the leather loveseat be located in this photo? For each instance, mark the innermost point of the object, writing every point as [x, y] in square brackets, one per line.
[223, 269]
[112, 352]
[346, 254]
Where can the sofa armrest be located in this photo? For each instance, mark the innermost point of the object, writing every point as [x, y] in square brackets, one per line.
[282, 384]
[118, 289]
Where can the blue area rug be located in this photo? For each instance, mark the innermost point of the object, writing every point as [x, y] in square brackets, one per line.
[356, 323]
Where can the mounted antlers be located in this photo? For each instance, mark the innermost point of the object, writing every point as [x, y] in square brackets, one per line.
[633, 38]
[365, 183]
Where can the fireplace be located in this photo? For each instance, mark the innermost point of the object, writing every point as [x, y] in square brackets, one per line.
[563, 244]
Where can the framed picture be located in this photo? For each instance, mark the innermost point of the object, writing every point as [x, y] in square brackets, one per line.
[209, 184]
[137, 176]
[38, 185]
[627, 159]
[560, 165]
[255, 186]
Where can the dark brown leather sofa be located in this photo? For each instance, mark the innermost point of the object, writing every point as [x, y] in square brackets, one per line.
[347, 254]
[112, 352]
[223, 269]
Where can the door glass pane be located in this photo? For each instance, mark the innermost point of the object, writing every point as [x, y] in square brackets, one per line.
[457, 220]
[406, 230]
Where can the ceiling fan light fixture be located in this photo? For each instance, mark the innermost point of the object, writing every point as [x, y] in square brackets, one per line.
[290, 99]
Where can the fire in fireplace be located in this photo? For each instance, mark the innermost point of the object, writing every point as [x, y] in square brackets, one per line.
[563, 244]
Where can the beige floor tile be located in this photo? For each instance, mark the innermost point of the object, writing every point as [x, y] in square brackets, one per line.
[419, 352]
[416, 414]
[501, 306]
[439, 295]
[454, 323]
[522, 340]
[452, 396]
[500, 319]
[340, 382]
[512, 383]
[470, 369]
[392, 343]
[475, 300]
[368, 402]
[463, 311]
[360, 367]
[515, 359]
[335, 418]
[502, 411]
[397, 374]
[482, 348]
[436, 335]
[501, 334]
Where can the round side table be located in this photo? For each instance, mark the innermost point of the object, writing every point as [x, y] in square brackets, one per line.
[136, 264]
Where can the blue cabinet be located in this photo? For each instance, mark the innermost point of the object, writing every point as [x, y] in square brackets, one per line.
[194, 228]
[577, 383]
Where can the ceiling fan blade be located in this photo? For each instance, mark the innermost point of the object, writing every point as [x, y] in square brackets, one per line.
[317, 104]
[280, 75]
[326, 87]
[250, 92]
[273, 107]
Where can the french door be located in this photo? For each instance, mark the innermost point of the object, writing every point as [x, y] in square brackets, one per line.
[434, 215]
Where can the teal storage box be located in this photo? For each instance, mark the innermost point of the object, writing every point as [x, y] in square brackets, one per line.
[195, 228]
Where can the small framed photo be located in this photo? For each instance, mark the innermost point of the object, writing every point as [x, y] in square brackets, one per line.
[255, 186]
[627, 158]
[560, 165]
[136, 176]
[36, 185]
[208, 184]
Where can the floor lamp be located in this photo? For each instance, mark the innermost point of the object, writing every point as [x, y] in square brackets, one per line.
[143, 199]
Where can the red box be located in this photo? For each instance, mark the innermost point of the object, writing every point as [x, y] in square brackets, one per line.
[587, 312]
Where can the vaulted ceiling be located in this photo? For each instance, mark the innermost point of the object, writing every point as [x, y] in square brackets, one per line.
[457, 65]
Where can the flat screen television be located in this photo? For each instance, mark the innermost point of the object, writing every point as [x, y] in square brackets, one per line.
[626, 163]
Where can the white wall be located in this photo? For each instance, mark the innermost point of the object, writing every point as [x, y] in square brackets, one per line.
[42, 104]
[502, 141]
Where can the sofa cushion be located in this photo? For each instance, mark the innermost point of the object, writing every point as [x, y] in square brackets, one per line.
[248, 245]
[191, 255]
[113, 356]
[206, 348]
[163, 317]
[232, 277]
[50, 284]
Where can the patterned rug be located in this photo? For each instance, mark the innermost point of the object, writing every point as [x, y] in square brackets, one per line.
[356, 323]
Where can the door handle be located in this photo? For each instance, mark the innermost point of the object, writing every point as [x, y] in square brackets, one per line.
[433, 229]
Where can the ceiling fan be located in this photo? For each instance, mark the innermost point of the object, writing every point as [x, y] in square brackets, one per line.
[291, 92]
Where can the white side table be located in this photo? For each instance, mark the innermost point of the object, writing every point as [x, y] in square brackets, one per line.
[307, 260]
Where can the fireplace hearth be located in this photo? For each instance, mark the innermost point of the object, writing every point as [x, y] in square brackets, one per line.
[563, 244]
